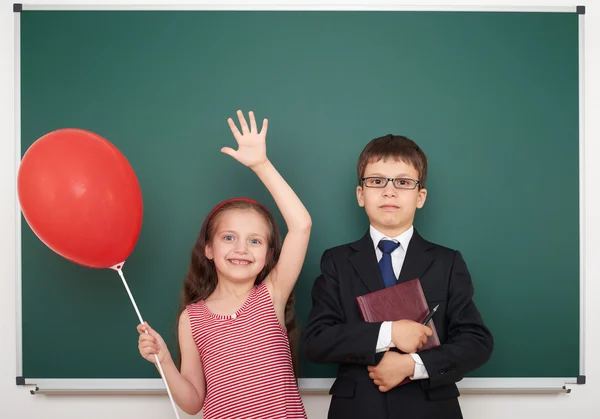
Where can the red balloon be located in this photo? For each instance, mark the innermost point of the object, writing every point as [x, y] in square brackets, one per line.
[81, 197]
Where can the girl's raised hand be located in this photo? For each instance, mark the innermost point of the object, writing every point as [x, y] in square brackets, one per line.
[252, 148]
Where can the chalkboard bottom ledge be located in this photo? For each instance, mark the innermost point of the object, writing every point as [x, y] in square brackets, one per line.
[307, 385]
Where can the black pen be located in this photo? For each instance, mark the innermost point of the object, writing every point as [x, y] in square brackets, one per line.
[430, 315]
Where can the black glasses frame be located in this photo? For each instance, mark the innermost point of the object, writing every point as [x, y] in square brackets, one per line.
[387, 179]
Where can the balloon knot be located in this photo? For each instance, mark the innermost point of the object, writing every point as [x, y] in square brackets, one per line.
[117, 267]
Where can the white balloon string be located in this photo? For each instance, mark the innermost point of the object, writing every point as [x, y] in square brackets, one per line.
[162, 374]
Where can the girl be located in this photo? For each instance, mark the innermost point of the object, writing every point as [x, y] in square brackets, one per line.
[235, 318]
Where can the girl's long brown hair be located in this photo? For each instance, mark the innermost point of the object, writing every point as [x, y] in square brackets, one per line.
[201, 278]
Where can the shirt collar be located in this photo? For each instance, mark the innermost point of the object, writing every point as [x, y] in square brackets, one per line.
[403, 238]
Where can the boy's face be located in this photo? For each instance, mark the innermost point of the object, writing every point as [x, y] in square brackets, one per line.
[391, 210]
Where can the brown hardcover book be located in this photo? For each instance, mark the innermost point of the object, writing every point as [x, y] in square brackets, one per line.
[399, 302]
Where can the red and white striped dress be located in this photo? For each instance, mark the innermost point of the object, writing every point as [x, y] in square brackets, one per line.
[246, 360]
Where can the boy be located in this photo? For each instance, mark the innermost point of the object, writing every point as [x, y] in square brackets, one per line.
[374, 358]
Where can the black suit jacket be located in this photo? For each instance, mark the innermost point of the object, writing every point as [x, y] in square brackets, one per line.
[336, 333]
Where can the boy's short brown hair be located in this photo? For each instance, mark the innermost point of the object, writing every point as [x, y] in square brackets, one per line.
[394, 147]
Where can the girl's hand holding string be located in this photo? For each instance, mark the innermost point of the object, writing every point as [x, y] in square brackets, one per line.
[151, 344]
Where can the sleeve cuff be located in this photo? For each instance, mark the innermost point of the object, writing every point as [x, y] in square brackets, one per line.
[420, 372]
[384, 340]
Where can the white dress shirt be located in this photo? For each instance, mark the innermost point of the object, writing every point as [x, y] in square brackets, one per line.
[384, 340]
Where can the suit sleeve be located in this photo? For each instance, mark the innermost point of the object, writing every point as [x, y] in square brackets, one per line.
[328, 337]
[469, 343]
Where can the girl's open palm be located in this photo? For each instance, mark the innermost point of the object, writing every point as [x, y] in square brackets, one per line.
[252, 148]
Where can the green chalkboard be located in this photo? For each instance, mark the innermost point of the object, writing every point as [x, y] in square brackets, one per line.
[492, 98]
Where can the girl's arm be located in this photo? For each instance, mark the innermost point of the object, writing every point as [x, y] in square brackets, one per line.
[252, 153]
[285, 274]
[188, 387]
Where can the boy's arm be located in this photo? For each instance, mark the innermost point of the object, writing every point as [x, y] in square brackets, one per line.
[469, 343]
[328, 338]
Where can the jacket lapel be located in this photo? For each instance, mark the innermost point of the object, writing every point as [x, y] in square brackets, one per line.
[416, 262]
[417, 259]
[364, 261]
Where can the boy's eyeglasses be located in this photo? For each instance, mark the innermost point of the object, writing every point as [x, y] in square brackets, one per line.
[381, 182]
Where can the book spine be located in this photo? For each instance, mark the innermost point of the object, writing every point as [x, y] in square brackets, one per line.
[423, 299]
[363, 311]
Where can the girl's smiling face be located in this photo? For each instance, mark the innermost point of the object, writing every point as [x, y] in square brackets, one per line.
[239, 245]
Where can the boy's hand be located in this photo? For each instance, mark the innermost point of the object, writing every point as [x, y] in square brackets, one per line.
[252, 149]
[409, 336]
[392, 370]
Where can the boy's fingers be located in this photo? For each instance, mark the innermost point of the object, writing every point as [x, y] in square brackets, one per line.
[428, 331]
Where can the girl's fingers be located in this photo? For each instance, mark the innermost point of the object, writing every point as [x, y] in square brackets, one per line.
[143, 327]
[147, 344]
[234, 130]
[265, 126]
[147, 338]
[147, 352]
[243, 122]
[252, 122]
[152, 332]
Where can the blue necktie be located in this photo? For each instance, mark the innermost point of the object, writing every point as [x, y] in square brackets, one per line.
[385, 264]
